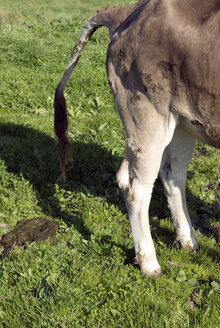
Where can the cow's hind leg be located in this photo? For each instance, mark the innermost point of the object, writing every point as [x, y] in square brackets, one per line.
[173, 173]
[136, 177]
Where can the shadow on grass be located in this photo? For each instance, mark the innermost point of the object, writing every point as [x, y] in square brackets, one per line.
[34, 155]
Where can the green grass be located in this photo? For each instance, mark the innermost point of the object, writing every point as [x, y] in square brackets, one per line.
[86, 277]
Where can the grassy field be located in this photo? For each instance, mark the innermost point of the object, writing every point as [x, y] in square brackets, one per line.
[85, 278]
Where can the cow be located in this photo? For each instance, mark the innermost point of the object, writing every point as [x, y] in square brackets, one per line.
[163, 67]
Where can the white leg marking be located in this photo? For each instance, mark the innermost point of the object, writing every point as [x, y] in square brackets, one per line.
[143, 158]
[173, 173]
[139, 199]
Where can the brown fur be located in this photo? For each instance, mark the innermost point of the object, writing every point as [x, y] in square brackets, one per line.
[172, 56]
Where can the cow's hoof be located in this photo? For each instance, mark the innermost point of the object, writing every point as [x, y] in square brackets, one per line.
[188, 245]
[151, 269]
[145, 270]
[191, 247]
[149, 265]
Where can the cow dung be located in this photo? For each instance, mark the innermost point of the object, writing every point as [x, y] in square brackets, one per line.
[28, 231]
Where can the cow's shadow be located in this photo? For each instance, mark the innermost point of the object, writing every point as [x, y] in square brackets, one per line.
[33, 154]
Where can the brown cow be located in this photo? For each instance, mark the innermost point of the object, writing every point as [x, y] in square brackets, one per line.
[163, 66]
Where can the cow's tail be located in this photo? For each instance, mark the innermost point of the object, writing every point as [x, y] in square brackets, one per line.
[111, 18]
[60, 113]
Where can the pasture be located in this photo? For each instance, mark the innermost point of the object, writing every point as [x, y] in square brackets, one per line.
[86, 277]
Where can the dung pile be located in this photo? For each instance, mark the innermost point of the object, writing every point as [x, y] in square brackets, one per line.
[28, 231]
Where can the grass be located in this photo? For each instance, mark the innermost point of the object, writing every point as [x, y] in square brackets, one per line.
[86, 277]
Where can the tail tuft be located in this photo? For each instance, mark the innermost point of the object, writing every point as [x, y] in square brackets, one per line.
[61, 125]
